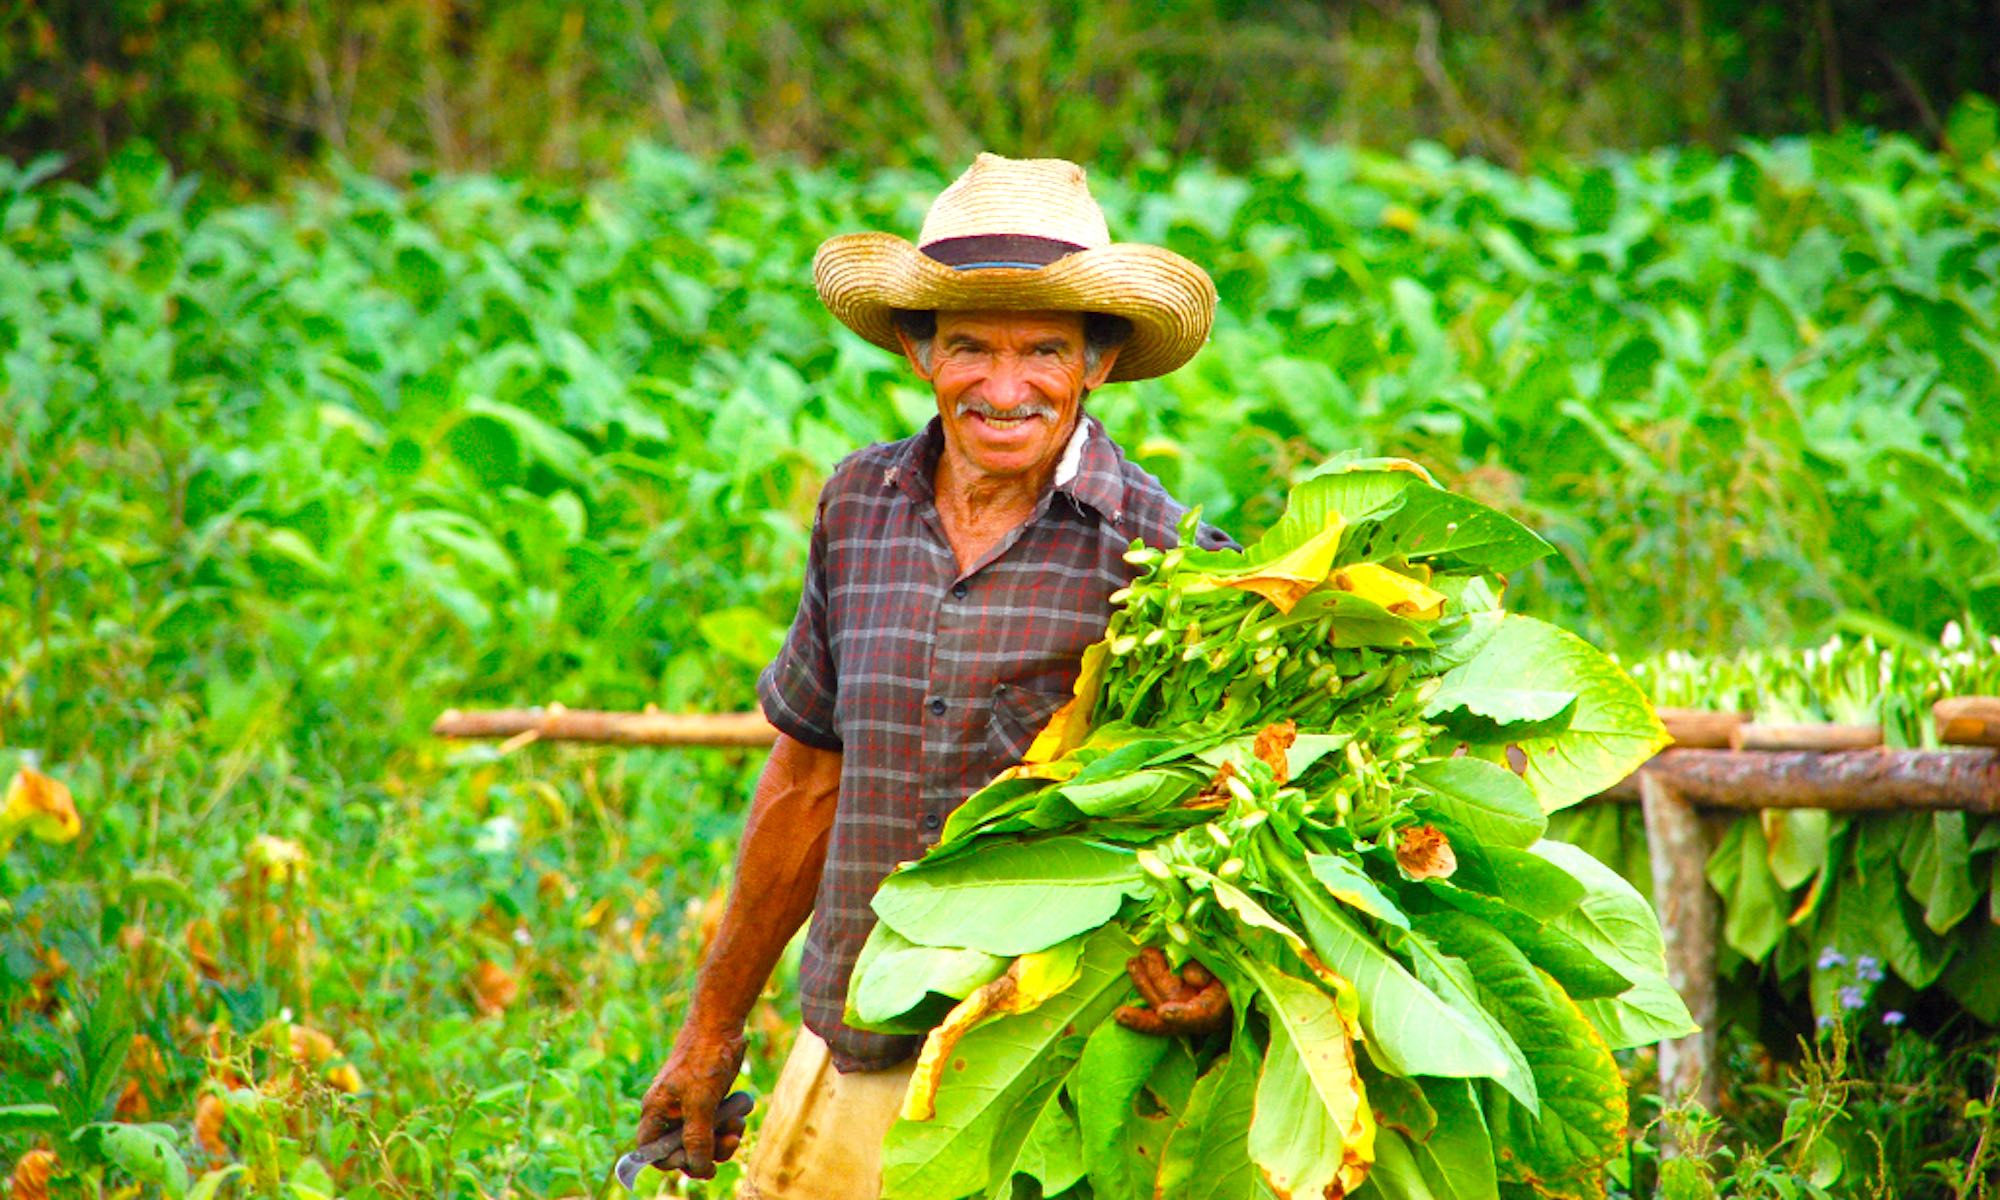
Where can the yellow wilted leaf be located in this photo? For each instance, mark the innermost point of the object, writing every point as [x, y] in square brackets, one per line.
[1071, 724]
[344, 1078]
[31, 1175]
[1032, 979]
[311, 1045]
[39, 806]
[1284, 581]
[1400, 594]
[277, 859]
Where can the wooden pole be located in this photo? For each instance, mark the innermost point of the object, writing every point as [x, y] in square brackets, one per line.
[558, 724]
[1843, 781]
[1700, 729]
[1680, 850]
[1805, 737]
[1968, 721]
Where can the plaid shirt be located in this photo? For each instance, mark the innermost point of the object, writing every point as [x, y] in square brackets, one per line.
[929, 681]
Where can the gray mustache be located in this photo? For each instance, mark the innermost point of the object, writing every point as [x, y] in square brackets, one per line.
[1034, 408]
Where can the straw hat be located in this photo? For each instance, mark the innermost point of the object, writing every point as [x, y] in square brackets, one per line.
[1021, 234]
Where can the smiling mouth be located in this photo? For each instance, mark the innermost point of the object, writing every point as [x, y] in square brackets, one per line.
[1010, 422]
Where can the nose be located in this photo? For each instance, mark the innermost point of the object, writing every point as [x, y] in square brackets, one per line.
[1006, 386]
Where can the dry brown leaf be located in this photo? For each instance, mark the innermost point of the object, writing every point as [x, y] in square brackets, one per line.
[1425, 853]
[493, 989]
[40, 806]
[208, 1121]
[1272, 742]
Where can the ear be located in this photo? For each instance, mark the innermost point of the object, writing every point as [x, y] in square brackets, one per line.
[910, 353]
[1105, 361]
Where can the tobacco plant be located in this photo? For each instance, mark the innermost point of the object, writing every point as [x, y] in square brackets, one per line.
[1321, 767]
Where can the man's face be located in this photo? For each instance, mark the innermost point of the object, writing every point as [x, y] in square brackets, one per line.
[1009, 387]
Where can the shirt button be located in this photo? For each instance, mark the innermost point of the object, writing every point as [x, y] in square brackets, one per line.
[932, 821]
[937, 708]
[958, 590]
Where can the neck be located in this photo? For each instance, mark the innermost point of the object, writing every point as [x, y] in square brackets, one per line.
[979, 509]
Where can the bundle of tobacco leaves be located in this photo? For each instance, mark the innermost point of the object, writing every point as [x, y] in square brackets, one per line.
[1320, 767]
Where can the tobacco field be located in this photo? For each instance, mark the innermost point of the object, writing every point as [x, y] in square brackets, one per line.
[283, 480]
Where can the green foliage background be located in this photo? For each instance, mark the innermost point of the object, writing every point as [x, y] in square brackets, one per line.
[249, 91]
[283, 479]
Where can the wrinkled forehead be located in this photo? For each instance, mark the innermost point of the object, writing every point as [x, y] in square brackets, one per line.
[1000, 324]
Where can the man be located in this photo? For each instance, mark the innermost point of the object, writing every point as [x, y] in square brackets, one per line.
[953, 582]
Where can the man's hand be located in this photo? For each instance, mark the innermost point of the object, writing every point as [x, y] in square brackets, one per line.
[696, 1077]
[1188, 1005]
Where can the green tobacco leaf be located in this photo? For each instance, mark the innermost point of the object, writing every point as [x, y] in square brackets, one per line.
[1580, 970]
[1612, 731]
[1115, 1065]
[1753, 906]
[1481, 799]
[1010, 898]
[1617, 924]
[894, 975]
[1457, 1159]
[1053, 1153]
[1410, 1029]
[1311, 1124]
[145, 1152]
[1398, 514]
[1207, 1157]
[1508, 708]
[1562, 1151]
[1450, 977]
[1795, 842]
[1937, 868]
[1138, 792]
[28, 1116]
[998, 1080]
[1530, 882]
[1396, 1175]
[1348, 883]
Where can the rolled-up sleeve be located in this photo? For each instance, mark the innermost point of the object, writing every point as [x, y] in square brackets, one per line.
[798, 689]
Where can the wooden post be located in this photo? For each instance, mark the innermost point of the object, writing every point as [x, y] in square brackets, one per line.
[1806, 737]
[1680, 852]
[1968, 720]
[558, 724]
[1702, 729]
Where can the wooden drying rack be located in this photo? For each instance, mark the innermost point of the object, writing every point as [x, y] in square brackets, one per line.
[1718, 761]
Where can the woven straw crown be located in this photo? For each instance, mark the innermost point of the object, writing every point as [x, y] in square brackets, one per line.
[1021, 235]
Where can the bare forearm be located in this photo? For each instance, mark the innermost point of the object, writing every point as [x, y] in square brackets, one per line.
[778, 868]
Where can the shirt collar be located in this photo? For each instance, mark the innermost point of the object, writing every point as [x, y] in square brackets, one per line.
[1088, 473]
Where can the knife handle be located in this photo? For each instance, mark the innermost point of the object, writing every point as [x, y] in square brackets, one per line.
[671, 1155]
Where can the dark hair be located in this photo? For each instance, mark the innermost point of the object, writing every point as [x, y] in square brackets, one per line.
[1100, 330]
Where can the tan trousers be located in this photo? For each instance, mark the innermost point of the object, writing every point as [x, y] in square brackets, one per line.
[822, 1134]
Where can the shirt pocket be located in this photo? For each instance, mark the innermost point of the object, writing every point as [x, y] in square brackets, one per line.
[1019, 712]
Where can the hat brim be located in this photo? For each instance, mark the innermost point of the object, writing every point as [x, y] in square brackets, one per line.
[864, 277]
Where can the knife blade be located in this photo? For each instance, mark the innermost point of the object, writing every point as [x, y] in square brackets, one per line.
[667, 1152]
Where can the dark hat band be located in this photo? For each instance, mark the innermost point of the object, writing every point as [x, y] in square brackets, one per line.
[980, 250]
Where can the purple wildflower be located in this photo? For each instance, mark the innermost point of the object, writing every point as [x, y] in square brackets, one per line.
[1825, 1022]
[1868, 969]
[1830, 958]
[1851, 997]
[1892, 1017]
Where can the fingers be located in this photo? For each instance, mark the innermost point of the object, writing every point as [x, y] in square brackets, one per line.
[698, 1138]
[660, 1107]
[1206, 1011]
[1190, 1004]
[1155, 980]
[1140, 1020]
